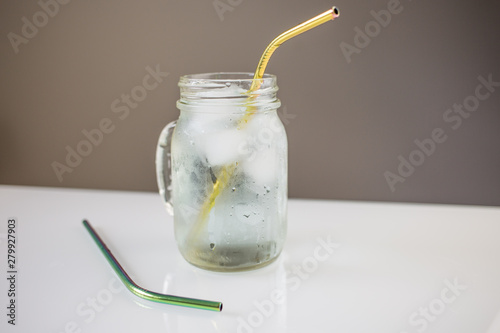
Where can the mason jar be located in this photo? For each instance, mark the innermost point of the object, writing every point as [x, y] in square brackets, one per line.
[222, 171]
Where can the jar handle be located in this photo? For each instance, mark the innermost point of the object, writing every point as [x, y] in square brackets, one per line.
[164, 165]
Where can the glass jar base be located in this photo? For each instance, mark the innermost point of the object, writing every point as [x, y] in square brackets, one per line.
[230, 259]
[228, 269]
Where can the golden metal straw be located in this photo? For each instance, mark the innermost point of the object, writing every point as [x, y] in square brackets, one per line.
[142, 292]
[227, 171]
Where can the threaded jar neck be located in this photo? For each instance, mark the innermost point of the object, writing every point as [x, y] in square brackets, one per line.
[227, 90]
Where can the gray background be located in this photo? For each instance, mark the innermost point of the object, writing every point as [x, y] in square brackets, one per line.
[351, 119]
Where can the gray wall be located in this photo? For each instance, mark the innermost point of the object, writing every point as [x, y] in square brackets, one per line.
[352, 107]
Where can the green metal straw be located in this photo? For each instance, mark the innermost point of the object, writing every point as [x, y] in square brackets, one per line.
[144, 293]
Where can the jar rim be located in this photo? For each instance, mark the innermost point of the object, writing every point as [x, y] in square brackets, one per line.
[220, 77]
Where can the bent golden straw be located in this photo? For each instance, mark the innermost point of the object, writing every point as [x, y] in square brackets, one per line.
[227, 171]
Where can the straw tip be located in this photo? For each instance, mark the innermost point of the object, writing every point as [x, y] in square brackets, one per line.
[335, 12]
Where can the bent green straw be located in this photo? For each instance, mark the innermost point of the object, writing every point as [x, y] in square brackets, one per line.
[144, 293]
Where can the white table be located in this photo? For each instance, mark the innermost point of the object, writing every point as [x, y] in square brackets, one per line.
[389, 268]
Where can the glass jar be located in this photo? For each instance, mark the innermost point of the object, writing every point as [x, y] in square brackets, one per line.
[222, 171]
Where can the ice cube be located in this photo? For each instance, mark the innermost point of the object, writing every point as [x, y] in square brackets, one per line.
[221, 147]
[212, 119]
[262, 168]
